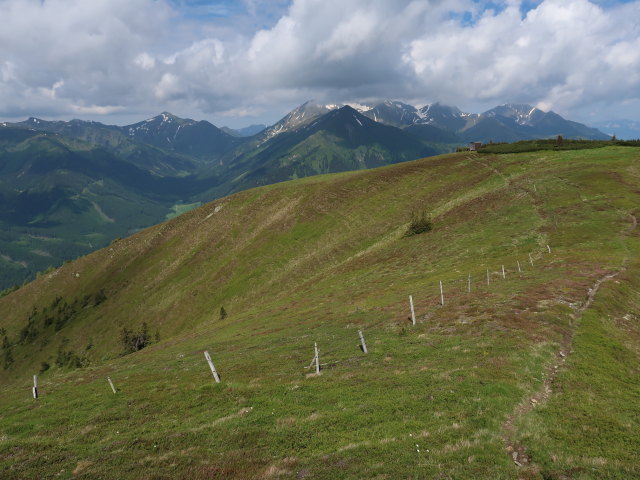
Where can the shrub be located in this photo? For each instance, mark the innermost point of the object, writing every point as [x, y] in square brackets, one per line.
[134, 341]
[7, 359]
[420, 223]
[9, 290]
[7, 356]
[68, 358]
[29, 332]
[223, 313]
[99, 297]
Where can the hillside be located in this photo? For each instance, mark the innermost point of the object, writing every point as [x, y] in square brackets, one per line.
[118, 142]
[533, 375]
[154, 169]
[61, 198]
[96, 182]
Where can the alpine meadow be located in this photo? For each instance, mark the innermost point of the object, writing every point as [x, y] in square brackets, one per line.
[521, 358]
[319, 240]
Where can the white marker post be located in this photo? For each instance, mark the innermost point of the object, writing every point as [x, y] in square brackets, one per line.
[213, 369]
[364, 345]
[518, 262]
[469, 284]
[413, 313]
[317, 359]
[530, 259]
[35, 387]
[503, 274]
[111, 383]
[549, 248]
[441, 294]
[488, 276]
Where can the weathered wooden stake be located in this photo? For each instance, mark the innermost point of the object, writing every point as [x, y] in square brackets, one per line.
[413, 313]
[441, 294]
[213, 369]
[518, 262]
[35, 387]
[111, 383]
[364, 345]
[530, 259]
[549, 248]
[469, 284]
[317, 359]
[503, 275]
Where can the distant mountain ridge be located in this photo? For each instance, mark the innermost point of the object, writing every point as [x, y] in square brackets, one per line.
[197, 138]
[309, 144]
[504, 123]
[509, 122]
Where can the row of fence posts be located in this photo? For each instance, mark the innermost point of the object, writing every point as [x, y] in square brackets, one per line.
[316, 357]
[504, 276]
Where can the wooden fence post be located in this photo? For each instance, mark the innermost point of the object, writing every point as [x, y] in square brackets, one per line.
[503, 274]
[518, 262]
[111, 383]
[549, 248]
[35, 387]
[413, 313]
[488, 276]
[213, 369]
[530, 259]
[317, 359]
[469, 284]
[364, 345]
[441, 294]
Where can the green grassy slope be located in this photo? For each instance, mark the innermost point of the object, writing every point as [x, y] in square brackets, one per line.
[316, 260]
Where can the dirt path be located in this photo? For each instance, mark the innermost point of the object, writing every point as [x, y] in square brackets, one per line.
[516, 451]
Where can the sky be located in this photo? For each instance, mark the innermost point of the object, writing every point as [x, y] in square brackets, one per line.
[243, 62]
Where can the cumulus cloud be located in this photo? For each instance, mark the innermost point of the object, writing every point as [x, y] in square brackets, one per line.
[60, 55]
[561, 54]
[114, 56]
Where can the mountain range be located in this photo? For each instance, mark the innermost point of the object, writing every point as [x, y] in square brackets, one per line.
[69, 187]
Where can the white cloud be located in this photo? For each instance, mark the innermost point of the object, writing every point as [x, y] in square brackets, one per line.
[564, 53]
[90, 47]
[145, 61]
[108, 56]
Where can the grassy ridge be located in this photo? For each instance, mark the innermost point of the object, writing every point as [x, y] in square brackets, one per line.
[315, 260]
[552, 144]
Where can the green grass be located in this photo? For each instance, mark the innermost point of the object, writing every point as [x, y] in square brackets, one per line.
[552, 144]
[316, 260]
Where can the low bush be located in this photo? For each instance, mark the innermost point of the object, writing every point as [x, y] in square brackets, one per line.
[134, 341]
[420, 223]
